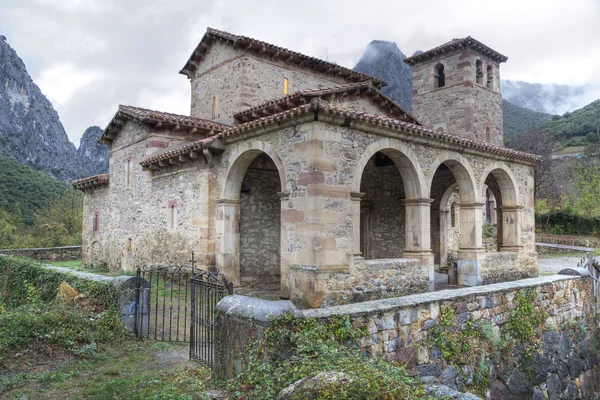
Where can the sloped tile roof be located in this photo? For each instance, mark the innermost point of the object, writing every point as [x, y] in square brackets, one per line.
[264, 49]
[318, 106]
[144, 115]
[90, 182]
[305, 96]
[462, 43]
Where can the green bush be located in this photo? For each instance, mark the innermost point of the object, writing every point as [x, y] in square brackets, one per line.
[566, 223]
[31, 314]
[294, 348]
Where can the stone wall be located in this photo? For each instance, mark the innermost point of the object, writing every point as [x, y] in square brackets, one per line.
[260, 225]
[560, 361]
[382, 209]
[462, 107]
[239, 81]
[46, 254]
[571, 240]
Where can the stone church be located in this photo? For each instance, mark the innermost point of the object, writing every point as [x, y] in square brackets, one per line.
[298, 175]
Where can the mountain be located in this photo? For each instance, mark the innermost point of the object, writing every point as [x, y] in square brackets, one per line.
[576, 124]
[548, 97]
[32, 190]
[30, 129]
[93, 155]
[519, 119]
[383, 59]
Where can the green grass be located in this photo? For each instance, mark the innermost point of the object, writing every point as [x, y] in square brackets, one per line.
[132, 370]
[68, 263]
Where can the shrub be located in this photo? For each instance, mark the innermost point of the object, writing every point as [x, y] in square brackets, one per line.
[294, 348]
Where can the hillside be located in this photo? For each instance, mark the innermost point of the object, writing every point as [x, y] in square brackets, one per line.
[31, 131]
[578, 123]
[32, 190]
[519, 119]
[546, 97]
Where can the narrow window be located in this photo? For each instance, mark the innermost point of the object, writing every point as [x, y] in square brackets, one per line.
[285, 85]
[439, 79]
[96, 224]
[172, 214]
[488, 134]
[214, 107]
[478, 72]
[453, 215]
[490, 77]
[128, 173]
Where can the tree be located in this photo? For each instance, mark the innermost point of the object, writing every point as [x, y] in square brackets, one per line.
[587, 189]
[60, 223]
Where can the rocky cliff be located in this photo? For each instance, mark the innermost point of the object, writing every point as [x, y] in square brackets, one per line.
[30, 129]
[383, 59]
[93, 155]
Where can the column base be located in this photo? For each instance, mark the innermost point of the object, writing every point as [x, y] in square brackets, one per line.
[469, 265]
[426, 259]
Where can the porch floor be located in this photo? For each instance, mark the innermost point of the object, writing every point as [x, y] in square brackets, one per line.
[441, 282]
[261, 293]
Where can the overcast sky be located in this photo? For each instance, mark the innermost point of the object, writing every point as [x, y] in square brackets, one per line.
[88, 56]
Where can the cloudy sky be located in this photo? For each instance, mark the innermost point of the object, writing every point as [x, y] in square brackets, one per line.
[88, 56]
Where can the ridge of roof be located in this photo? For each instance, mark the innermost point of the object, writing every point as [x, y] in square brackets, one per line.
[465, 43]
[279, 104]
[246, 43]
[145, 115]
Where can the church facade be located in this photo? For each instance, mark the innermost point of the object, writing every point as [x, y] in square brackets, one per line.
[298, 174]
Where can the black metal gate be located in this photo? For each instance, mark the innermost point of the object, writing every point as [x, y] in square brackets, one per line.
[208, 288]
[177, 304]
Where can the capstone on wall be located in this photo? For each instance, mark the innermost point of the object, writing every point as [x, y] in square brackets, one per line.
[462, 107]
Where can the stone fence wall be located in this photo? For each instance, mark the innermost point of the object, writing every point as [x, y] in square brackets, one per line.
[468, 339]
[46, 254]
[571, 240]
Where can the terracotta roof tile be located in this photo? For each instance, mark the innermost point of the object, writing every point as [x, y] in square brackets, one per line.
[465, 43]
[304, 97]
[270, 50]
[145, 115]
[90, 182]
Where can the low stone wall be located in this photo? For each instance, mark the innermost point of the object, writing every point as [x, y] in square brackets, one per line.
[47, 253]
[559, 362]
[504, 267]
[571, 240]
[364, 280]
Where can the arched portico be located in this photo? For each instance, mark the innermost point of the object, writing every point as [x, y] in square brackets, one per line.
[248, 217]
[415, 210]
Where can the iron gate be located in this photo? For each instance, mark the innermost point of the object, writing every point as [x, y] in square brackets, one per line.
[208, 288]
[177, 304]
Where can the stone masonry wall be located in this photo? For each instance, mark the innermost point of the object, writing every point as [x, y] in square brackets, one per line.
[240, 81]
[560, 361]
[46, 254]
[462, 107]
[260, 226]
[384, 192]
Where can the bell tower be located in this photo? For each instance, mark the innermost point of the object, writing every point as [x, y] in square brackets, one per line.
[456, 89]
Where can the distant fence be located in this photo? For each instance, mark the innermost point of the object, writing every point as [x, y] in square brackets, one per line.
[47, 253]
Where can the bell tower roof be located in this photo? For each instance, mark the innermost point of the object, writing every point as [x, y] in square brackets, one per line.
[467, 43]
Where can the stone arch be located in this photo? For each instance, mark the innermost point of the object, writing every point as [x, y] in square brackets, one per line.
[233, 208]
[238, 163]
[506, 182]
[462, 172]
[405, 160]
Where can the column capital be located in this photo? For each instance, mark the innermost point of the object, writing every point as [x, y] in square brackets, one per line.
[228, 201]
[356, 196]
[283, 195]
[472, 205]
[511, 208]
[418, 202]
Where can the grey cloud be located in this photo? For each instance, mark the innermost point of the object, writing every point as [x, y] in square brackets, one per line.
[138, 46]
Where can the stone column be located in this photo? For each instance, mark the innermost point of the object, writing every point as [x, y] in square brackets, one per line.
[418, 234]
[284, 243]
[228, 237]
[356, 198]
[443, 237]
[471, 254]
[511, 228]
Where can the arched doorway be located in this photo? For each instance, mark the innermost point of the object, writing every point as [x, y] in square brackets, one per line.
[502, 213]
[249, 221]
